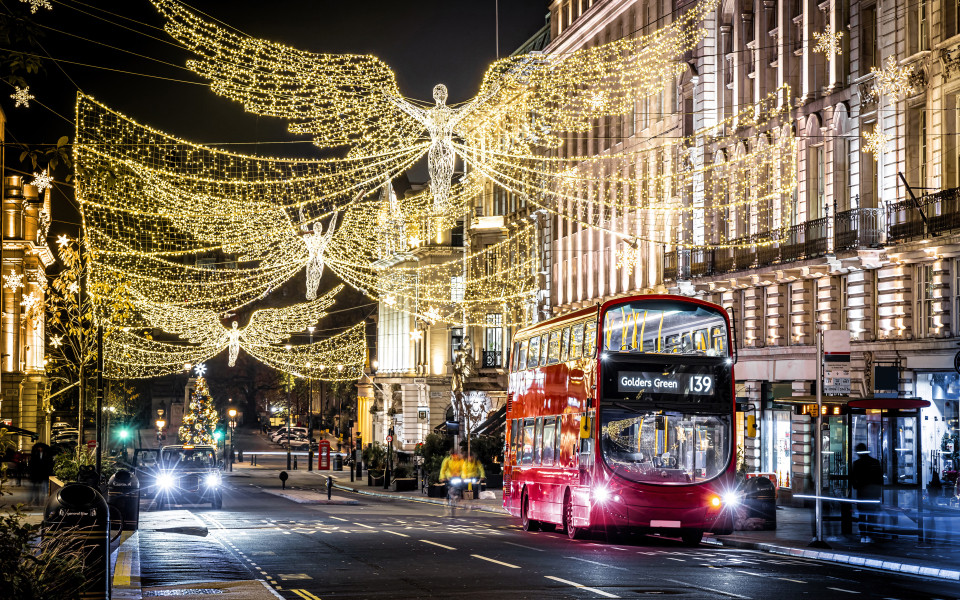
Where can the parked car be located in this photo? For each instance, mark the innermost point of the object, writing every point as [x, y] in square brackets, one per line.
[65, 436]
[282, 433]
[146, 465]
[298, 443]
[189, 474]
[60, 426]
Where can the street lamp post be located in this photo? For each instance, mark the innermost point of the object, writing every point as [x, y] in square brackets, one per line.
[310, 412]
[289, 424]
[160, 425]
[233, 423]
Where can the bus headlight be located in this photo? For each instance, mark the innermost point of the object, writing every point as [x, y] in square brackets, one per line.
[165, 481]
[601, 494]
[212, 480]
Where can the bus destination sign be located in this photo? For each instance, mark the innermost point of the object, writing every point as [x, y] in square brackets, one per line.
[665, 383]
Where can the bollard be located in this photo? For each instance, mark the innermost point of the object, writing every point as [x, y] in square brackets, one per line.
[82, 516]
[239, 455]
[329, 486]
[283, 480]
[123, 493]
[294, 463]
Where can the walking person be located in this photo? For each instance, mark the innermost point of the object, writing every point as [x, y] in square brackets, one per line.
[866, 476]
[40, 467]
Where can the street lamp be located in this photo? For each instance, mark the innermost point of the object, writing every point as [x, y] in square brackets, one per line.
[160, 424]
[233, 423]
[310, 329]
[289, 424]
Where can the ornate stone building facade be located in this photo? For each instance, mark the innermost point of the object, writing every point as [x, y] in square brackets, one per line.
[25, 258]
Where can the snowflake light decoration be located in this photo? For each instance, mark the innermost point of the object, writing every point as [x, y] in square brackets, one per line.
[13, 281]
[56, 341]
[828, 42]
[63, 240]
[893, 80]
[29, 301]
[74, 287]
[42, 181]
[628, 258]
[200, 370]
[36, 5]
[877, 142]
[432, 314]
[22, 97]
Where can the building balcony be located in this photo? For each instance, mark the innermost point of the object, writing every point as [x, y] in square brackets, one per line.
[941, 209]
[858, 228]
[492, 359]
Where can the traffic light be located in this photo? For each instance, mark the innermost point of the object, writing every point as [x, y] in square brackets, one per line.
[751, 426]
[124, 433]
[217, 435]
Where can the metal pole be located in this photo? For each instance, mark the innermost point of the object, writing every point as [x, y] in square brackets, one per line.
[310, 416]
[289, 410]
[817, 446]
[99, 448]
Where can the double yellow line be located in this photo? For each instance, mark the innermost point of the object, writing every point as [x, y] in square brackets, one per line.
[305, 594]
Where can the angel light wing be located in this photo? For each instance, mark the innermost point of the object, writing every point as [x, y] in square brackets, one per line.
[540, 98]
[273, 325]
[340, 99]
[196, 325]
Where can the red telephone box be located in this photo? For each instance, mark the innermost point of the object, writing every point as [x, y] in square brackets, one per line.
[323, 455]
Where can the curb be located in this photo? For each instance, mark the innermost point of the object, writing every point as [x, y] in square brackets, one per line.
[847, 559]
[480, 507]
[125, 582]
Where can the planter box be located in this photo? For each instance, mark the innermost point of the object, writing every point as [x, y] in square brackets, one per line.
[375, 480]
[437, 490]
[404, 484]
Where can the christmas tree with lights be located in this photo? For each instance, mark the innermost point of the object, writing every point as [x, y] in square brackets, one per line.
[201, 417]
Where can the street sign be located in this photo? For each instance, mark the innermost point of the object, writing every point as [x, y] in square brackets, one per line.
[389, 438]
[91, 444]
[836, 382]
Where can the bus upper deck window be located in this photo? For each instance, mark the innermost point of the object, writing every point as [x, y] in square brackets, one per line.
[553, 347]
[543, 349]
[576, 341]
[533, 354]
[522, 359]
[590, 339]
[564, 344]
[513, 359]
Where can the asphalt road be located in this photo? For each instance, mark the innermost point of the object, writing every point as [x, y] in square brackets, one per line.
[401, 549]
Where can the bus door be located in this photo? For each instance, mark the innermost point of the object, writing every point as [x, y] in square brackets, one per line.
[586, 453]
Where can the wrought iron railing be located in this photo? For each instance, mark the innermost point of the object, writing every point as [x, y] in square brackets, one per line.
[492, 359]
[670, 261]
[858, 228]
[942, 210]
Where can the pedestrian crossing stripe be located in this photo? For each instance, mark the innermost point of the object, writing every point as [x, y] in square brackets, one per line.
[305, 594]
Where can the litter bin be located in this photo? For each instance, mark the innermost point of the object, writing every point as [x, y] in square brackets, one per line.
[337, 462]
[760, 503]
[123, 493]
[80, 512]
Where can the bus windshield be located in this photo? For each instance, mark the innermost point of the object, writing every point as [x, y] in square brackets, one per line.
[665, 327]
[666, 423]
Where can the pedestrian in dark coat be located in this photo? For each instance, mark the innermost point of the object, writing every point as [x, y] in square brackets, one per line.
[866, 476]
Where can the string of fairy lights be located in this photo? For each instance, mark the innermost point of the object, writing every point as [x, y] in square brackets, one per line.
[200, 234]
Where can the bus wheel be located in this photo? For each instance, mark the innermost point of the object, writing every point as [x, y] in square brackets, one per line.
[691, 537]
[525, 520]
[573, 532]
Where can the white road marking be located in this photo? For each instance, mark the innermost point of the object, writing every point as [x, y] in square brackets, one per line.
[395, 533]
[676, 559]
[708, 589]
[527, 547]
[582, 587]
[793, 580]
[436, 544]
[842, 590]
[339, 519]
[593, 562]
[494, 561]
[362, 525]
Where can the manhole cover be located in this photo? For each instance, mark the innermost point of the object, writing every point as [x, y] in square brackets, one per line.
[188, 592]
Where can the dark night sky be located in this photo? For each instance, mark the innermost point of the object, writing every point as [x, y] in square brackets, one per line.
[425, 42]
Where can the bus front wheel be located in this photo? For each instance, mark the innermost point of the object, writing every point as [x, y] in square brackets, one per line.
[525, 520]
[573, 532]
[692, 537]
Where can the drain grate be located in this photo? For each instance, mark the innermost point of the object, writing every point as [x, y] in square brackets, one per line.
[187, 592]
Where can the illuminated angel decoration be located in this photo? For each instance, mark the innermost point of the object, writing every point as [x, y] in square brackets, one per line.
[527, 104]
[266, 326]
[317, 242]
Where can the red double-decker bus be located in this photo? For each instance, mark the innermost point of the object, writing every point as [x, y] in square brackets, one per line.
[621, 417]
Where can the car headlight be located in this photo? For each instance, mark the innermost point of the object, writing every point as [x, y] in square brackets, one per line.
[165, 481]
[731, 499]
[212, 480]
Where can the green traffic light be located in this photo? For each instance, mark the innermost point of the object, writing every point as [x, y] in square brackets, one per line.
[124, 434]
[217, 435]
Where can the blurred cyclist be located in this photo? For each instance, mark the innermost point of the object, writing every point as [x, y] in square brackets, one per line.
[451, 473]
